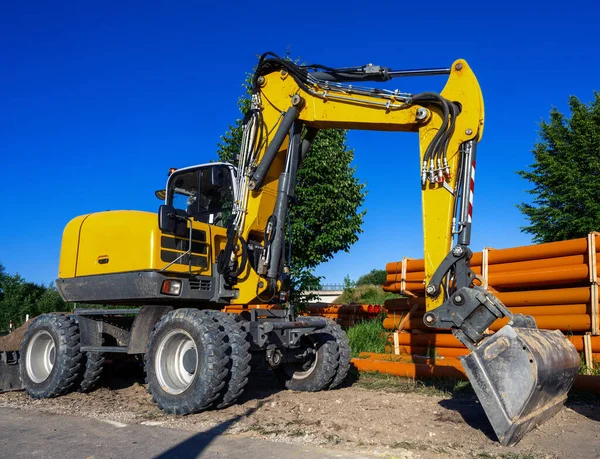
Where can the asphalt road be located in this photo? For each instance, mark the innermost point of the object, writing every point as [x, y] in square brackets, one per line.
[25, 434]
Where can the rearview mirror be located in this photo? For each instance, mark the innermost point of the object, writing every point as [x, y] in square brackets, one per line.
[172, 221]
[216, 177]
[160, 194]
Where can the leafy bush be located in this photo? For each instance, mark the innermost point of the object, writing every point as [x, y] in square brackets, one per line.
[19, 298]
[374, 277]
[365, 294]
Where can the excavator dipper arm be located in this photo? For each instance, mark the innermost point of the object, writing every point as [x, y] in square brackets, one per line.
[520, 374]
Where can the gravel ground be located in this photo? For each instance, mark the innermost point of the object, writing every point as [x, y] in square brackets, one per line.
[396, 423]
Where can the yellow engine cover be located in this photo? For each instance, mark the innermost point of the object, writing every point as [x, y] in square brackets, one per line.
[127, 240]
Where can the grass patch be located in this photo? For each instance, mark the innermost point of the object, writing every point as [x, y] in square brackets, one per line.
[368, 336]
[585, 370]
[390, 383]
[365, 294]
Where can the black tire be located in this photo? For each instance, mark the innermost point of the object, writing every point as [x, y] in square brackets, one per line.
[344, 355]
[206, 369]
[318, 373]
[239, 353]
[93, 367]
[51, 362]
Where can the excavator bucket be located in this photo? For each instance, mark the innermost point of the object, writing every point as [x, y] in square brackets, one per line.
[10, 371]
[521, 377]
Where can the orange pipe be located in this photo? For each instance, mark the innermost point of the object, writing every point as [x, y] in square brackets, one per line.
[426, 352]
[566, 323]
[345, 308]
[552, 310]
[409, 370]
[411, 359]
[537, 251]
[540, 276]
[577, 341]
[450, 369]
[446, 340]
[573, 295]
[541, 310]
[410, 286]
[513, 254]
[395, 276]
[427, 339]
[576, 295]
[438, 351]
[411, 266]
[541, 263]
[529, 277]
[392, 323]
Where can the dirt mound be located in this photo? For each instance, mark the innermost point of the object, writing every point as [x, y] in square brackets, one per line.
[12, 341]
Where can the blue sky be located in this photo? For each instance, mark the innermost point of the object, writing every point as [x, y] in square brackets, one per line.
[99, 99]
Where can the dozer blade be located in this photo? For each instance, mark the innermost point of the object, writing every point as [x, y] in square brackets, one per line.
[521, 377]
[10, 374]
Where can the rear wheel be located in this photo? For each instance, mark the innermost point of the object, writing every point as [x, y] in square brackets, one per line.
[51, 356]
[319, 369]
[344, 355]
[186, 362]
[239, 353]
[93, 367]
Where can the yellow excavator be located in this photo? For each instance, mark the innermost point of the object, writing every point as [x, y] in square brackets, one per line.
[219, 241]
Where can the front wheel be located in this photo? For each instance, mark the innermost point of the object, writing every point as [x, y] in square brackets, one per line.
[186, 362]
[51, 356]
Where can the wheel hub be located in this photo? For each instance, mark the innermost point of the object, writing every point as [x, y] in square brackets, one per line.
[40, 355]
[176, 361]
[189, 361]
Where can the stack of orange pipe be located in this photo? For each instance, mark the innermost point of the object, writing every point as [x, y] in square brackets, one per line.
[549, 281]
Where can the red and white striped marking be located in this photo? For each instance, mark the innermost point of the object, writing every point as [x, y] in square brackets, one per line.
[471, 191]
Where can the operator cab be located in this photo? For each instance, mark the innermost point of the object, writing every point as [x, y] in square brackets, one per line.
[205, 193]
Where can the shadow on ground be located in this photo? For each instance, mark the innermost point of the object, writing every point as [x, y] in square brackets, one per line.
[469, 409]
[585, 404]
[122, 373]
[193, 446]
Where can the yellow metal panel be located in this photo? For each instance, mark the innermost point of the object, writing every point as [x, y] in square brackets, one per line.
[119, 241]
[68, 249]
[127, 239]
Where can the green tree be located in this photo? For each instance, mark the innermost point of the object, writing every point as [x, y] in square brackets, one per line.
[19, 298]
[325, 219]
[565, 175]
[374, 277]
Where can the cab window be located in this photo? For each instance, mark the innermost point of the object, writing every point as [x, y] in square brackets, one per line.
[206, 194]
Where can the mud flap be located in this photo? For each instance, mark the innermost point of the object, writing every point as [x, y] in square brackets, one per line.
[10, 374]
[521, 377]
